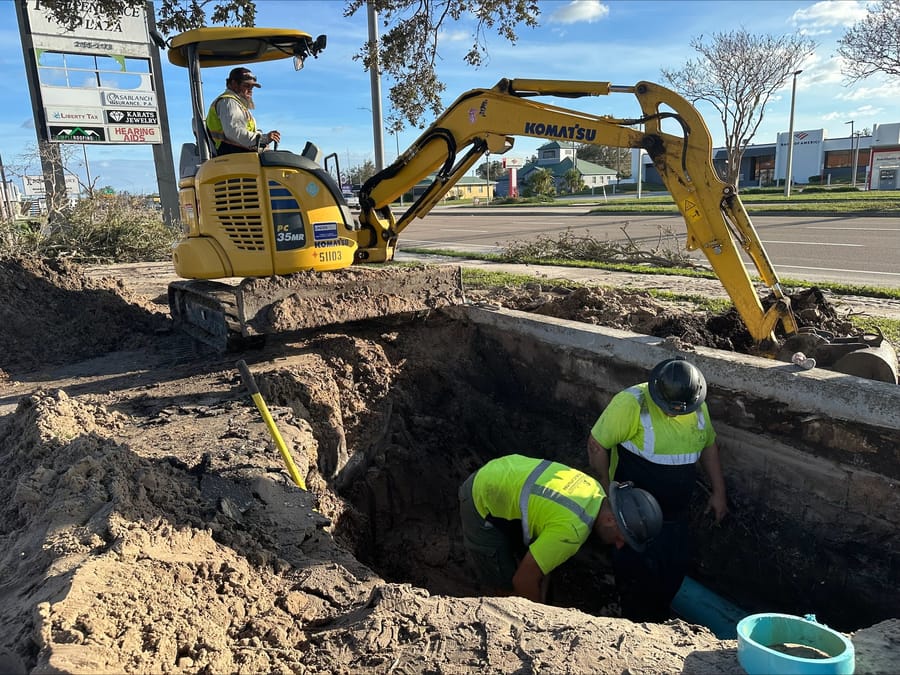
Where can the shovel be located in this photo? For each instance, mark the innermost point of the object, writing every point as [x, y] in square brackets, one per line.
[250, 383]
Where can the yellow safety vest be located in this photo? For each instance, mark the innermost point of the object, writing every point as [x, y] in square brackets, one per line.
[676, 455]
[214, 124]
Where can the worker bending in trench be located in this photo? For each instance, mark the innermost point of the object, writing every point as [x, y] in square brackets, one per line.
[653, 434]
[522, 517]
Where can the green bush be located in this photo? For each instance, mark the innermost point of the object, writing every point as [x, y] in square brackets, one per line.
[646, 187]
[824, 188]
[762, 191]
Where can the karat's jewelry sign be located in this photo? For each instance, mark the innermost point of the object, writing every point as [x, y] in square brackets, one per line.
[96, 80]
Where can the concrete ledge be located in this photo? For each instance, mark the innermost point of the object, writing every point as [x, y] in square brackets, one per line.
[818, 392]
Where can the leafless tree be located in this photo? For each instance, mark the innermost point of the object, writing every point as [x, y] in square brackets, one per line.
[737, 73]
[59, 156]
[407, 48]
[873, 45]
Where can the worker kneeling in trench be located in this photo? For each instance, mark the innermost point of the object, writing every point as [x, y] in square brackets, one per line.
[523, 517]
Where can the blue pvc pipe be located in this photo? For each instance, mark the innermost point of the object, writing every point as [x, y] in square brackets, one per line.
[695, 603]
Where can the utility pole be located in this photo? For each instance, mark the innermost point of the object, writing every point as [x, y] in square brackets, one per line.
[790, 156]
[375, 83]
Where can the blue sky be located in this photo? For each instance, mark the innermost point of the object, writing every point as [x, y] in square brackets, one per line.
[622, 41]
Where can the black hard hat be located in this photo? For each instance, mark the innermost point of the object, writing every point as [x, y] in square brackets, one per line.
[243, 75]
[676, 386]
[637, 514]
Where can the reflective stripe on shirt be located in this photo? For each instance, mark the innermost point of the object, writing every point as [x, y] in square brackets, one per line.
[648, 452]
[530, 487]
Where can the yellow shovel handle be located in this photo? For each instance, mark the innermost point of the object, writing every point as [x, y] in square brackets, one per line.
[250, 383]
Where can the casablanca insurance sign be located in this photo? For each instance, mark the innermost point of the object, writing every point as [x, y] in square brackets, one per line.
[96, 81]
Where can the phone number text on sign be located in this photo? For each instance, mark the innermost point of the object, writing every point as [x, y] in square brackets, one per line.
[87, 44]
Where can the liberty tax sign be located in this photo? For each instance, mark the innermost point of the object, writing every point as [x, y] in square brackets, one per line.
[109, 98]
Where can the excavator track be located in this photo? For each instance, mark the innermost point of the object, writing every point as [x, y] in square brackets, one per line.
[230, 317]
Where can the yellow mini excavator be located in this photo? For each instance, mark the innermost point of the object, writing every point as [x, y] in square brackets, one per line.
[279, 219]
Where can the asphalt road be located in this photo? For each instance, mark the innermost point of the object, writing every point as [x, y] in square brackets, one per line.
[853, 250]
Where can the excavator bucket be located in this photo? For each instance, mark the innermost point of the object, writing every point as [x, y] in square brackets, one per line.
[232, 316]
[866, 355]
[828, 338]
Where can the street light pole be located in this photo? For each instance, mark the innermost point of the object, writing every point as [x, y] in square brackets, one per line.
[852, 141]
[790, 155]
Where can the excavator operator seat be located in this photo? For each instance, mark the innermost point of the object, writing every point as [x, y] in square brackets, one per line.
[189, 161]
[205, 137]
[311, 151]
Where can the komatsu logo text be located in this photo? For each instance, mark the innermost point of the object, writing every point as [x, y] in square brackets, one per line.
[574, 133]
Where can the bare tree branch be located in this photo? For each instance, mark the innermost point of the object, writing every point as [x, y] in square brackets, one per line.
[737, 73]
[873, 44]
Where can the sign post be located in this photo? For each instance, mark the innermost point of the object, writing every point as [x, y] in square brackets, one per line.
[98, 83]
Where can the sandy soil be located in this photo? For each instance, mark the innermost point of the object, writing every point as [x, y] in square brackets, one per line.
[147, 524]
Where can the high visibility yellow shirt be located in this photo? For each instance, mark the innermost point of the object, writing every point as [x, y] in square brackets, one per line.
[635, 422]
[556, 504]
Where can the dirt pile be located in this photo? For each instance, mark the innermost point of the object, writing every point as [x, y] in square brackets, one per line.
[52, 313]
[147, 524]
[640, 312]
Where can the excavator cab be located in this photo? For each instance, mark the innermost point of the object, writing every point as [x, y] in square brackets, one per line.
[274, 213]
[254, 213]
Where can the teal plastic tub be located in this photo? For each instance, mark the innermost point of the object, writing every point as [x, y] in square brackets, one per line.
[792, 645]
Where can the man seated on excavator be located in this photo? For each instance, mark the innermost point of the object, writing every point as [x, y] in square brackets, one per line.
[523, 517]
[230, 122]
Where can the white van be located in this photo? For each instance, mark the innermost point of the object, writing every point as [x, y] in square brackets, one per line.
[351, 199]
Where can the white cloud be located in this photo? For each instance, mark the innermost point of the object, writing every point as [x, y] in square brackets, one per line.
[885, 91]
[865, 112]
[578, 11]
[455, 35]
[829, 13]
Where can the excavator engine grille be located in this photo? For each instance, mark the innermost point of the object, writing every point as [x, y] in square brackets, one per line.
[236, 208]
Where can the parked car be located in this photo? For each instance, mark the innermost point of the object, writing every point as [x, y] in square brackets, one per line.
[351, 199]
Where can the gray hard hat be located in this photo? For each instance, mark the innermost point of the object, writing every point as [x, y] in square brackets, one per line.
[676, 386]
[637, 514]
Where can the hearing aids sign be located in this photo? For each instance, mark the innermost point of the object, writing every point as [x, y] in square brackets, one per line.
[108, 97]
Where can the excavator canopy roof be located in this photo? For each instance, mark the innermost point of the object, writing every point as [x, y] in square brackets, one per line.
[233, 46]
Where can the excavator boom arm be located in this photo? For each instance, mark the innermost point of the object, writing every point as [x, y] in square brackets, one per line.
[485, 120]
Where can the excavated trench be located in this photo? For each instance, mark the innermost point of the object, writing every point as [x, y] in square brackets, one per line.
[401, 415]
[453, 401]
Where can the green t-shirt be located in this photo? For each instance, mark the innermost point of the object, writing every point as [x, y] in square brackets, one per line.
[556, 532]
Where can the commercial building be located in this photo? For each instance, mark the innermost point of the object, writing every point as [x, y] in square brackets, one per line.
[816, 160]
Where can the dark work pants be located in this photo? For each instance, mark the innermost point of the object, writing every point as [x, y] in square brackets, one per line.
[648, 581]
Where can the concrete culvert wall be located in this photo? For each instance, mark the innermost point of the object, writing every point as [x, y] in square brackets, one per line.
[810, 459]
